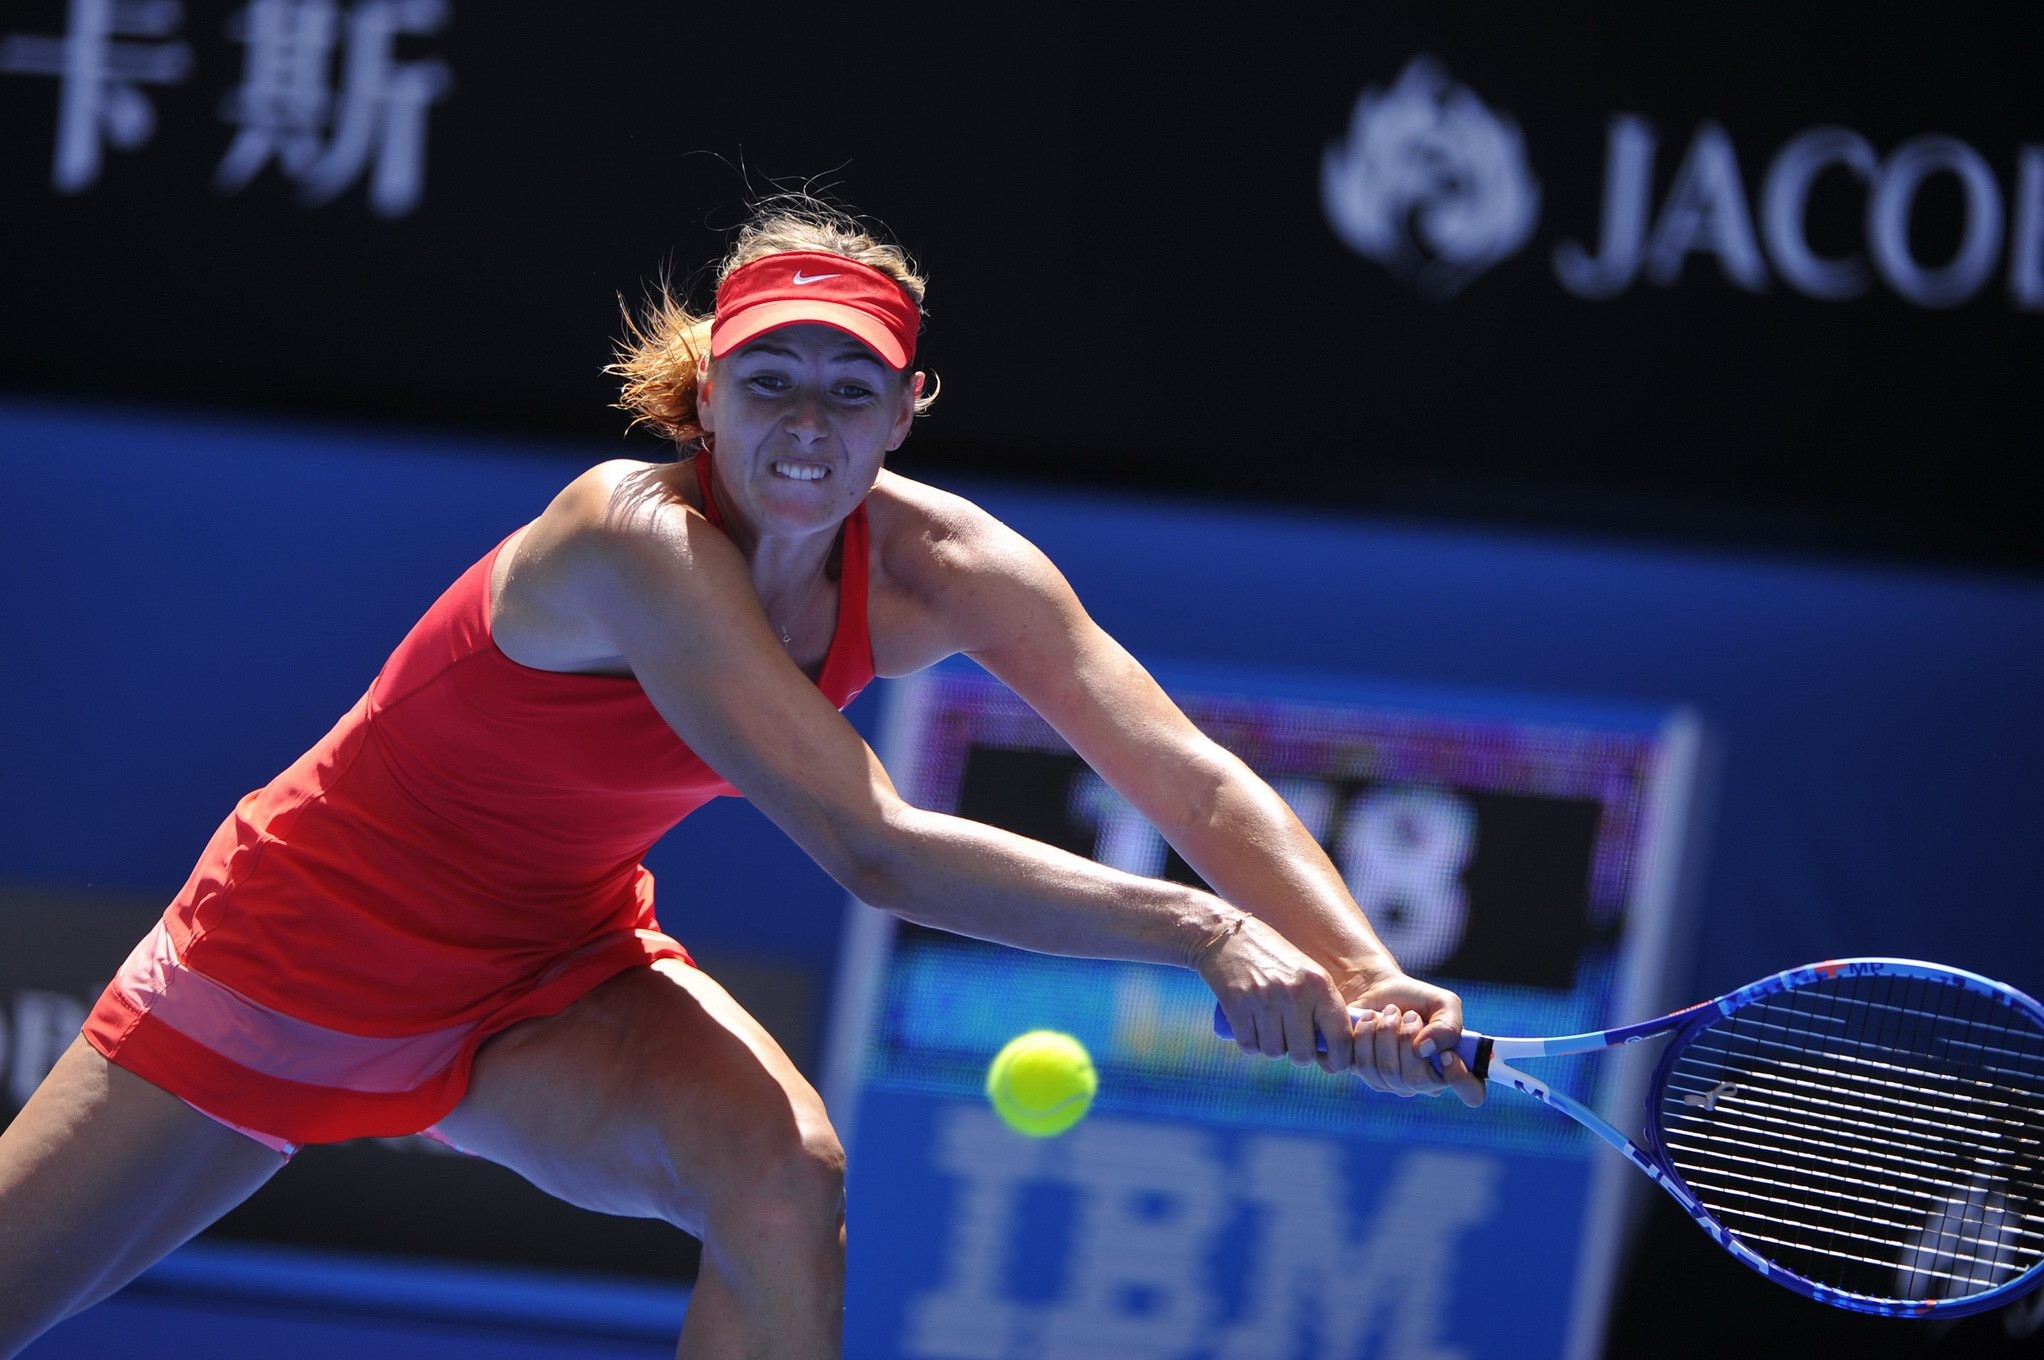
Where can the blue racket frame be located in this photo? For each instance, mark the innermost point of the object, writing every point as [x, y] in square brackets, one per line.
[1487, 1055]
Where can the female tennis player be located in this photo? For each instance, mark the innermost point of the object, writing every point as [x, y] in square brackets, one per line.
[437, 918]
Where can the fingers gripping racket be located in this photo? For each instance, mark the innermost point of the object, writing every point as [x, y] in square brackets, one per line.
[1868, 1132]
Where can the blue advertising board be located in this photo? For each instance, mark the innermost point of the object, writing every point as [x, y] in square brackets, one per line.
[1216, 1206]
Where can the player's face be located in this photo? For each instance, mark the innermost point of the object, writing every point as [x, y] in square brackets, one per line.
[802, 418]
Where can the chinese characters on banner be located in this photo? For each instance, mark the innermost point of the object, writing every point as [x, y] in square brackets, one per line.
[322, 97]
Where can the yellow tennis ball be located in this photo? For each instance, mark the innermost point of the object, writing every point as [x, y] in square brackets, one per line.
[1042, 1083]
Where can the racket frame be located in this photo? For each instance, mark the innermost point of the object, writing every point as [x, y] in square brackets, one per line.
[1488, 1056]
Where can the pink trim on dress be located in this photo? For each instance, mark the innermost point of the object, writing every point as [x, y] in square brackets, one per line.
[156, 982]
[275, 1144]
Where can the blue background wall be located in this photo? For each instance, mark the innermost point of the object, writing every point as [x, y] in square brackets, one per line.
[193, 600]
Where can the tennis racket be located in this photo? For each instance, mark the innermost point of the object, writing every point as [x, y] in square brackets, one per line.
[1868, 1132]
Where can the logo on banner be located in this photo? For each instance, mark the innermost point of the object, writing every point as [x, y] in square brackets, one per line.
[1434, 185]
[323, 99]
[1152, 1204]
[1431, 183]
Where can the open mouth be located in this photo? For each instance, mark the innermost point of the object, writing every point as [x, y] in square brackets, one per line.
[799, 472]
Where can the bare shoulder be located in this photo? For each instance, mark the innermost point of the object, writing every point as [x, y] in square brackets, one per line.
[619, 497]
[620, 528]
[927, 539]
[948, 576]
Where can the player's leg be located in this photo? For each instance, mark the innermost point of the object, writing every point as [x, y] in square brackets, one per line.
[101, 1175]
[657, 1096]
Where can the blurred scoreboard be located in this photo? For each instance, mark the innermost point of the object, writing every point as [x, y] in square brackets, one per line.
[1217, 1206]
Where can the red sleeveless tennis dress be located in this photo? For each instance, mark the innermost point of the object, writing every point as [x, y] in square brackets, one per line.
[460, 853]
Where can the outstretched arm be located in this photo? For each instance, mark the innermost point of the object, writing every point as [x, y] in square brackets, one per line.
[1227, 823]
[647, 582]
[671, 597]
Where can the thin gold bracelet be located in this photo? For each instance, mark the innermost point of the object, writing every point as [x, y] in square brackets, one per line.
[1225, 931]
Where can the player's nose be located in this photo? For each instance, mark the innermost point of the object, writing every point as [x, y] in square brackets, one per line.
[807, 419]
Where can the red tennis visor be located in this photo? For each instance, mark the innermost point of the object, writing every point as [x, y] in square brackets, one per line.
[815, 286]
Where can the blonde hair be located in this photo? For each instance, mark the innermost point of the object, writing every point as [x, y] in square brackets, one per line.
[662, 354]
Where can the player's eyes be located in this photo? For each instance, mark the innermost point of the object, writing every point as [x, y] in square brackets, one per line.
[770, 383]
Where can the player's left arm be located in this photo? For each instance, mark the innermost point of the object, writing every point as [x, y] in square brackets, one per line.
[1027, 627]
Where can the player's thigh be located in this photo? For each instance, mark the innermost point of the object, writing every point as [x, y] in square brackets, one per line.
[655, 1096]
[101, 1174]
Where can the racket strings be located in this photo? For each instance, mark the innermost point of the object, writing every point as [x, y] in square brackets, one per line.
[1793, 1212]
[1807, 1109]
[1883, 1266]
[1824, 1211]
[1906, 1088]
[1798, 1176]
[1806, 1098]
[1801, 1099]
[1878, 1135]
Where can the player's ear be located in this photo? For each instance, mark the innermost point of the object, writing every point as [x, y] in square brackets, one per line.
[905, 419]
[705, 411]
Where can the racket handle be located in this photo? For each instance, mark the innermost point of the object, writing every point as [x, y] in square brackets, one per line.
[1471, 1042]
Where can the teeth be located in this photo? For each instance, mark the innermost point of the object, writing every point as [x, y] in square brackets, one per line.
[801, 472]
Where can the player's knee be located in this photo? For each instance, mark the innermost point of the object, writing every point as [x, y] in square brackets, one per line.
[800, 1173]
[787, 1189]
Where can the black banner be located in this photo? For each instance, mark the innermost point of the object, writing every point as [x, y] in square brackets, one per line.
[1769, 272]
[1520, 869]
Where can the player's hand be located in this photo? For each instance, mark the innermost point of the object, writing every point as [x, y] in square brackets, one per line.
[1404, 1024]
[1279, 1002]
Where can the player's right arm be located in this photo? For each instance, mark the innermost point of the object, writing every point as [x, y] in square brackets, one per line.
[646, 581]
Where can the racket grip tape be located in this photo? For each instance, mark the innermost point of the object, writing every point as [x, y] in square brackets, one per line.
[1474, 1048]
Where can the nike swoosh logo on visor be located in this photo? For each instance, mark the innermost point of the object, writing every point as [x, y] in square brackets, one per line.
[801, 277]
